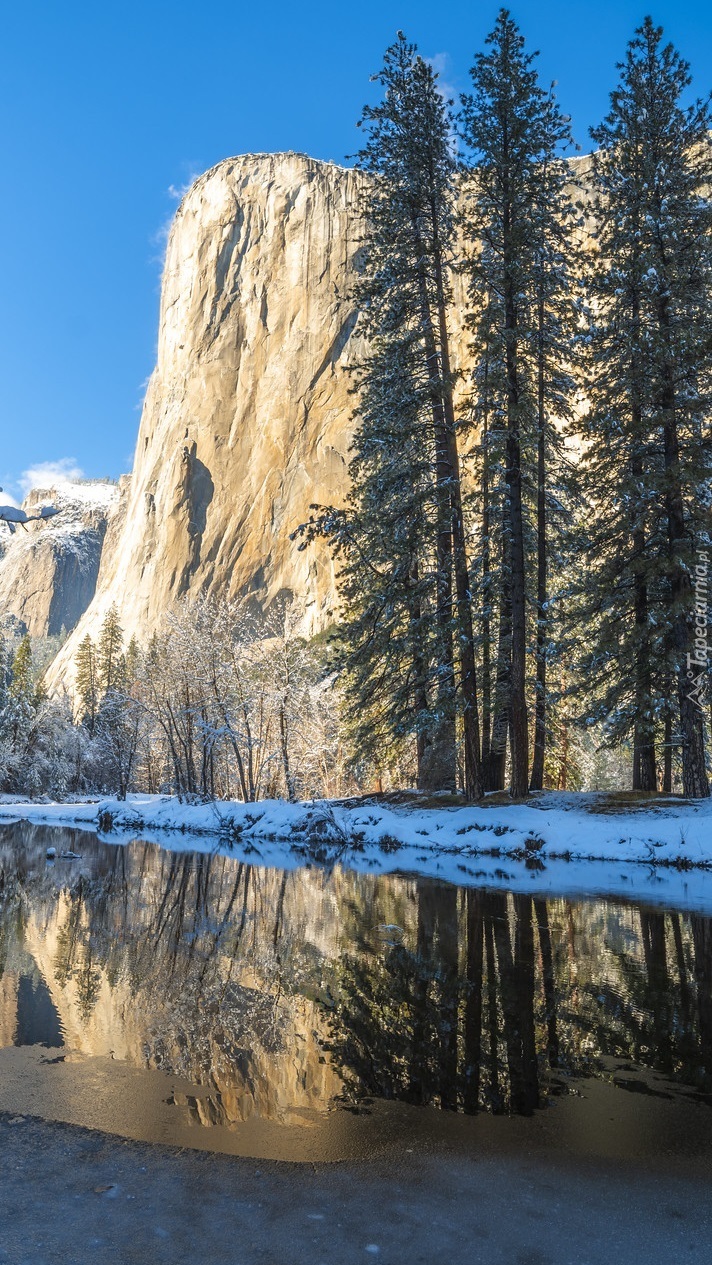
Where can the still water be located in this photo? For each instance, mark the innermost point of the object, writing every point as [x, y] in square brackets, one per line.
[196, 999]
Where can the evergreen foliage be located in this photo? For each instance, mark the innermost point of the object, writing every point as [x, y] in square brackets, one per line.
[406, 638]
[648, 446]
[519, 225]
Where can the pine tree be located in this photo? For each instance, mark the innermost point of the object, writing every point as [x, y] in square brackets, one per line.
[518, 221]
[404, 533]
[388, 642]
[120, 713]
[557, 315]
[21, 695]
[5, 671]
[110, 664]
[22, 683]
[132, 662]
[86, 683]
[649, 459]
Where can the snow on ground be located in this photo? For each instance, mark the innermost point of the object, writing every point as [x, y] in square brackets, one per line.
[577, 844]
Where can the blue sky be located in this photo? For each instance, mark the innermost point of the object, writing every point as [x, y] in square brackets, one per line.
[108, 109]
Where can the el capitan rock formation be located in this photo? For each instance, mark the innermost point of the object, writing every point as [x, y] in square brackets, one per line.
[247, 417]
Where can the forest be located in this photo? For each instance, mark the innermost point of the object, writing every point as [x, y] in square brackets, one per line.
[523, 556]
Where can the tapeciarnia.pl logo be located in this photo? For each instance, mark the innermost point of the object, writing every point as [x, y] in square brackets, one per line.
[698, 660]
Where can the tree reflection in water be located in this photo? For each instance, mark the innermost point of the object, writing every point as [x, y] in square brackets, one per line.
[499, 994]
[275, 991]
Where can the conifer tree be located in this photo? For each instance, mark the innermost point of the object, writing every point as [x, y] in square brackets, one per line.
[406, 630]
[518, 221]
[388, 643]
[21, 694]
[86, 682]
[132, 662]
[21, 683]
[109, 656]
[5, 671]
[649, 448]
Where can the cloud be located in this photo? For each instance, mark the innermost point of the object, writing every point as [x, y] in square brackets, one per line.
[6, 498]
[176, 192]
[50, 474]
[440, 63]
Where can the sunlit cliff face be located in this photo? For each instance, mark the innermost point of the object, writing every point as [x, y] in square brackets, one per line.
[248, 417]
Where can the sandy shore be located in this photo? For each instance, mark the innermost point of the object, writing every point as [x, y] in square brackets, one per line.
[77, 1196]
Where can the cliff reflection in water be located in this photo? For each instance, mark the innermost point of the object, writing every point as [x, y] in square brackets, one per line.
[279, 992]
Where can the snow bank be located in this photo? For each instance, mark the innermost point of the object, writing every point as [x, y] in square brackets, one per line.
[552, 826]
[557, 844]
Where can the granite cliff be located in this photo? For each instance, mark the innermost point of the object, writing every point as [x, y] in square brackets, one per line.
[246, 420]
[48, 572]
[247, 417]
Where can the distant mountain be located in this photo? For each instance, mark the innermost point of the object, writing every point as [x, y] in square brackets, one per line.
[48, 572]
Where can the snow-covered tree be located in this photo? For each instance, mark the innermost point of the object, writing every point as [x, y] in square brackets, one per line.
[519, 227]
[229, 703]
[86, 683]
[109, 653]
[21, 696]
[406, 636]
[647, 431]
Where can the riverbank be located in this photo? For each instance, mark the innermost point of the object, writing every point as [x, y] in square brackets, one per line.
[659, 831]
[73, 1195]
[658, 850]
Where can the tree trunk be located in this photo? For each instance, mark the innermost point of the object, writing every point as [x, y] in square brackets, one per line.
[284, 747]
[496, 762]
[486, 591]
[466, 639]
[442, 761]
[667, 756]
[644, 769]
[536, 782]
[518, 726]
[420, 695]
[694, 774]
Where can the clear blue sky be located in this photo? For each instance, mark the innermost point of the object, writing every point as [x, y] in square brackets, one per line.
[106, 107]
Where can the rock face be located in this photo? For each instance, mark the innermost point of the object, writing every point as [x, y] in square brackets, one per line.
[247, 418]
[48, 573]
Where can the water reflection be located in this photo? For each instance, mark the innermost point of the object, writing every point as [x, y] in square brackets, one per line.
[492, 1000]
[273, 994]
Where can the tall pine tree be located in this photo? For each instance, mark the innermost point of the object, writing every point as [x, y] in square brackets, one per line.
[21, 695]
[519, 225]
[110, 653]
[404, 532]
[86, 683]
[647, 433]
